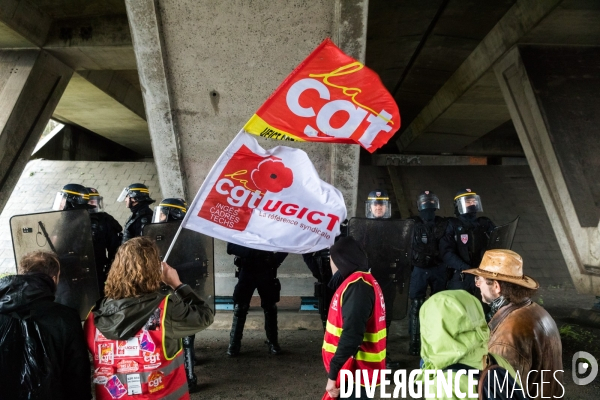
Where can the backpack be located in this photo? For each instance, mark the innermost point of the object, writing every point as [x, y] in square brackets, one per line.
[494, 382]
[425, 243]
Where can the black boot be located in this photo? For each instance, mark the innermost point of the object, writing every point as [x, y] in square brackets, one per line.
[188, 361]
[414, 328]
[237, 329]
[196, 359]
[271, 329]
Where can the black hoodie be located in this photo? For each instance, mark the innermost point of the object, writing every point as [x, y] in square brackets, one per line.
[40, 341]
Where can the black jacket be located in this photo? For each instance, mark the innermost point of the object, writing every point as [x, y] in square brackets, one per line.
[258, 258]
[459, 255]
[53, 335]
[106, 236]
[141, 214]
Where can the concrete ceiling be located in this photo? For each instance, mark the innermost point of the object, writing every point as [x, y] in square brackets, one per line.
[435, 56]
[92, 37]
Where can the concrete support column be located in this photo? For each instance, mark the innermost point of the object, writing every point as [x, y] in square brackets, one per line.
[150, 53]
[205, 67]
[350, 35]
[31, 84]
[551, 93]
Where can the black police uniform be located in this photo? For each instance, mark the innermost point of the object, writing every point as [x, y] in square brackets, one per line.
[428, 270]
[141, 214]
[319, 263]
[106, 237]
[257, 269]
[462, 247]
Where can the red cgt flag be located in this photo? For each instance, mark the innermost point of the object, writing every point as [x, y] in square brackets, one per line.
[329, 97]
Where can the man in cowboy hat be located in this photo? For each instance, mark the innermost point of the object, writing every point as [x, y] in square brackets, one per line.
[521, 331]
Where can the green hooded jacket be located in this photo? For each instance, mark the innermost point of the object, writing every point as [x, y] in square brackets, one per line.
[454, 330]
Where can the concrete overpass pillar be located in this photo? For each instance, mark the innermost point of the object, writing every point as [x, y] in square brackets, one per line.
[205, 67]
[31, 84]
[551, 93]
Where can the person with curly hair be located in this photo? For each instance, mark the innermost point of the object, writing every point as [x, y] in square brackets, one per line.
[134, 332]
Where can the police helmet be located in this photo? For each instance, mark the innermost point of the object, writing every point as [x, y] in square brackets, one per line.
[427, 199]
[467, 201]
[171, 209]
[96, 200]
[136, 191]
[71, 196]
[378, 205]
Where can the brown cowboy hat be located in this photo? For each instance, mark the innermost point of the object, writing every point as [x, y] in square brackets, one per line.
[503, 265]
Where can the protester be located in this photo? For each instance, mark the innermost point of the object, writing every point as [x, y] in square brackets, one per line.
[454, 336]
[521, 331]
[42, 347]
[134, 333]
[357, 312]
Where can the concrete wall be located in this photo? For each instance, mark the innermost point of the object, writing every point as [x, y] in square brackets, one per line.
[41, 179]
[506, 191]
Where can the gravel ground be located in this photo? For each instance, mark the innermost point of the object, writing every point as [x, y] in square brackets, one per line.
[298, 373]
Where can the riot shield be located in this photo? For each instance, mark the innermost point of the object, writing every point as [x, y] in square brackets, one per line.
[69, 235]
[502, 236]
[388, 246]
[192, 256]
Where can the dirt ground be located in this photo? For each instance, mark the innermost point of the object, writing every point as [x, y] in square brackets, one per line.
[298, 373]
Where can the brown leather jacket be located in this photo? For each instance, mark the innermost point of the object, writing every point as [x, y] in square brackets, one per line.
[527, 337]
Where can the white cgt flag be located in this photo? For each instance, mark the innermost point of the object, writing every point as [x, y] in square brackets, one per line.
[269, 200]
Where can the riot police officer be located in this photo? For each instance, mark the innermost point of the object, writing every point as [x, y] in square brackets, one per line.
[174, 209]
[465, 241]
[71, 252]
[256, 269]
[378, 206]
[428, 267]
[137, 199]
[171, 209]
[72, 196]
[106, 236]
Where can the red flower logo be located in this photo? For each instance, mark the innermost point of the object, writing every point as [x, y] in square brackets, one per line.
[272, 175]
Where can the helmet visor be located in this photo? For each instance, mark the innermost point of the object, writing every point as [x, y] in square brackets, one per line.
[161, 214]
[97, 202]
[429, 200]
[123, 194]
[378, 209]
[469, 203]
[60, 201]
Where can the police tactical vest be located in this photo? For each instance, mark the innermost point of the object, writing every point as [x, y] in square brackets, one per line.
[136, 222]
[371, 352]
[471, 240]
[426, 239]
[137, 368]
